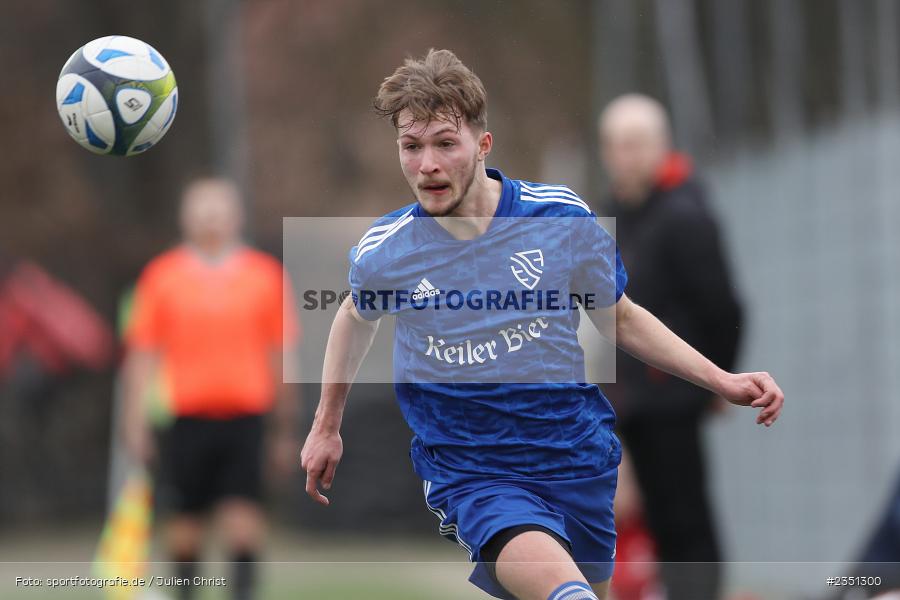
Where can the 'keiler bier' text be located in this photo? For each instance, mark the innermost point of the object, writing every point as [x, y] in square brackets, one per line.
[511, 339]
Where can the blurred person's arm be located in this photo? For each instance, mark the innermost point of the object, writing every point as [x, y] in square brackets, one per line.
[643, 336]
[143, 332]
[138, 373]
[284, 420]
[348, 343]
[285, 332]
[697, 255]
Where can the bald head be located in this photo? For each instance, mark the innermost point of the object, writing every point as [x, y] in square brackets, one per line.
[211, 213]
[634, 140]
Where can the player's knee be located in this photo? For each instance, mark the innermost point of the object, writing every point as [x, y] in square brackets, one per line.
[243, 524]
[601, 590]
[184, 535]
[534, 561]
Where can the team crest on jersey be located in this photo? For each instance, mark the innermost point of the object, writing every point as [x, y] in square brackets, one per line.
[528, 266]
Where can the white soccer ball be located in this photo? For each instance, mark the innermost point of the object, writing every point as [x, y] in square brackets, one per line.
[117, 95]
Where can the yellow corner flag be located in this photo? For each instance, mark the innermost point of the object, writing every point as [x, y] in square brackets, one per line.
[125, 542]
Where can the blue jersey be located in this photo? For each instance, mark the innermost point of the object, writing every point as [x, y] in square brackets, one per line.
[488, 370]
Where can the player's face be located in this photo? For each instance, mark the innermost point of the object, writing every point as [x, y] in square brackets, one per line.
[438, 161]
[211, 213]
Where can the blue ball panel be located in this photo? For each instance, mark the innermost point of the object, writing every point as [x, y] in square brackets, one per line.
[109, 54]
[156, 58]
[141, 147]
[75, 95]
[93, 138]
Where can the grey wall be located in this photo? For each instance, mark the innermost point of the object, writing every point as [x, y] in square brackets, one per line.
[812, 227]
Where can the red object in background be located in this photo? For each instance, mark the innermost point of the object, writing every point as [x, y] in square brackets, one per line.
[43, 317]
[675, 170]
[635, 575]
[9, 333]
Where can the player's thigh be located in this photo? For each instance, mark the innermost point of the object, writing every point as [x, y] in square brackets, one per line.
[188, 469]
[533, 564]
[241, 447]
[587, 504]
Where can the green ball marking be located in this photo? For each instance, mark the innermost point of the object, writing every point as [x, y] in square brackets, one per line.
[159, 90]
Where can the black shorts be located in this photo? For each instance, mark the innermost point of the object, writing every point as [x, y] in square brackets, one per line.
[207, 460]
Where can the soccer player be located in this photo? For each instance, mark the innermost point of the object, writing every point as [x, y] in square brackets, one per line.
[516, 452]
[208, 317]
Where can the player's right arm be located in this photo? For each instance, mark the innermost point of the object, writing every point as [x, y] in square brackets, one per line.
[348, 343]
[138, 372]
[143, 337]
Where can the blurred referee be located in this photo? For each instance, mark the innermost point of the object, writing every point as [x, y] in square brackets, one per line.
[208, 321]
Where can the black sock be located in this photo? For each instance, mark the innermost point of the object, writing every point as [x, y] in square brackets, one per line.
[243, 575]
[185, 570]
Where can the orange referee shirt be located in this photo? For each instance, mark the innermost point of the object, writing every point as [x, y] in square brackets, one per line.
[215, 326]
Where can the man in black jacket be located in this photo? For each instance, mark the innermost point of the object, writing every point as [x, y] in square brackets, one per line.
[670, 242]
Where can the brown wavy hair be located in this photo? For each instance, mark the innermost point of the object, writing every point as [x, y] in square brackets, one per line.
[438, 86]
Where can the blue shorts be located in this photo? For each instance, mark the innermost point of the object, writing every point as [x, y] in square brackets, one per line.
[578, 510]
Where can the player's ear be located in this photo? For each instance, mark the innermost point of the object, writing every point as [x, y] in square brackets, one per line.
[485, 143]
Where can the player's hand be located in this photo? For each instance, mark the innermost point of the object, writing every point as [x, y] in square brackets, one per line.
[319, 458]
[758, 390]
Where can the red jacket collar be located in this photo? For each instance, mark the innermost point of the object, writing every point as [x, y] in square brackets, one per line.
[674, 171]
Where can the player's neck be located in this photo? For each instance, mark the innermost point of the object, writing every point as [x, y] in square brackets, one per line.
[473, 216]
[213, 251]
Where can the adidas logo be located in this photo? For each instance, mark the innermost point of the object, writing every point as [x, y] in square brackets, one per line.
[425, 290]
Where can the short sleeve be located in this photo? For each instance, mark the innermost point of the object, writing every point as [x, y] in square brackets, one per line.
[365, 295]
[144, 331]
[284, 327]
[599, 273]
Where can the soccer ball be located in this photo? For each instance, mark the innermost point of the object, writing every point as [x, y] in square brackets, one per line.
[116, 95]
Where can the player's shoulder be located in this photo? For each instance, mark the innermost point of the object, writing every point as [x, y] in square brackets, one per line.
[384, 236]
[164, 271]
[686, 205]
[260, 259]
[549, 200]
[166, 263]
[258, 267]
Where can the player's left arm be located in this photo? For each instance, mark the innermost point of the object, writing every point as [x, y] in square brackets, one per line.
[643, 336]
